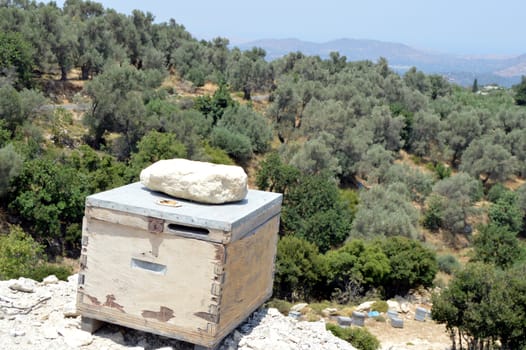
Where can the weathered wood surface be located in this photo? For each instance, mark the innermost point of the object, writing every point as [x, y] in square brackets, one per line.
[249, 270]
[190, 279]
[120, 286]
[141, 222]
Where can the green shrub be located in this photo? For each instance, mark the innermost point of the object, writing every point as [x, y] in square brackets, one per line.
[496, 192]
[42, 271]
[216, 155]
[235, 144]
[448, 263]
[283, 306]
[298, 269]
[360, 338]
[380, 306]
[19, 254]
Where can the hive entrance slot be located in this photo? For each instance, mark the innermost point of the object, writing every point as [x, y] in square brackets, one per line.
[188, 229]
[148, 266]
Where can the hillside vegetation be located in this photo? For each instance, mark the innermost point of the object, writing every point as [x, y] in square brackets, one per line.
[383, 176]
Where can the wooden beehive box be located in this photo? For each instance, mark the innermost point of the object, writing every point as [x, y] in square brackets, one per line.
[188, 271]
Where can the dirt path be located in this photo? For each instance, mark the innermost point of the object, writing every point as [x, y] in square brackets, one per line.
[415, 335]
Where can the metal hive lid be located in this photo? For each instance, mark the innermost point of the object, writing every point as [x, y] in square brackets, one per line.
[136, 199]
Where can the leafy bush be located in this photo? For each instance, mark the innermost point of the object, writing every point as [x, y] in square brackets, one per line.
[283, 306]
[412, 264]
[360, 338]
[498, 245]
[48, 197]
[358, 263]
[19, 254]
[153, 147]
[298, 269]
[314, 210]
[392, 210]
[496, 192]
[10, 166]
[235, 144]
[42, 271]
[244, 120]
[380, 306]
[216, 155]
[507, 212]
[448, 263]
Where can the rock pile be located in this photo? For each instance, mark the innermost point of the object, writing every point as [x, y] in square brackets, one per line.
[35, 316]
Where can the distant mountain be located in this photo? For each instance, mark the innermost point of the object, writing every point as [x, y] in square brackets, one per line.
[462, 70]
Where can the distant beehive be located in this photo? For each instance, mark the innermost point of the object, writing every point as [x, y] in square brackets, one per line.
[358, 318]
[421, 314]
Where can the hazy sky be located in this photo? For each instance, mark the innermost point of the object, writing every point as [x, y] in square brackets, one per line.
[454, 26]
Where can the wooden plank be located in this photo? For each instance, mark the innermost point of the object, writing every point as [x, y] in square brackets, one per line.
[124, 280]
[140, 222]
[249, 270]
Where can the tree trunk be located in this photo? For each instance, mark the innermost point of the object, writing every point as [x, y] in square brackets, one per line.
[246, 93]
[63, 73]
[85, 72]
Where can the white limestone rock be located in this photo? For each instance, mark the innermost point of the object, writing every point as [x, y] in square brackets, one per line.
[51, 279]
[22, 284]
[197, 181]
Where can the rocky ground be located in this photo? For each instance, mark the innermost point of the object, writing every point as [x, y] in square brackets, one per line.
[43, 316]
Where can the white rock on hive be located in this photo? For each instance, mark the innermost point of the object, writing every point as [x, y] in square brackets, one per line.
[197, 181]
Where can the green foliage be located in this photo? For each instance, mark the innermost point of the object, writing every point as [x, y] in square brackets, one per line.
[48, 197]
[16, 54]
[520, 92]
[434, 212]
[214, 107]
[392, 210]
[41, 271]
[448, 263]
[119, 96]
[313, 156]
[488, 158]
[441, 171]
[247, 71]
[497, 245]
[484, 305]
[496, 192]
[298, 269]
[102, 171]
[216, 155]
[412, 264]
[380, 306]
[152, 147]
[19, 254]
[245, 121]
[418, 183]
[17, 107]
[452, 202]
[356, 265]
[10, 167]
[235, 144]
[275, 176]
[506, 212]
[283, 306]
[313, 210]
[360, 338]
